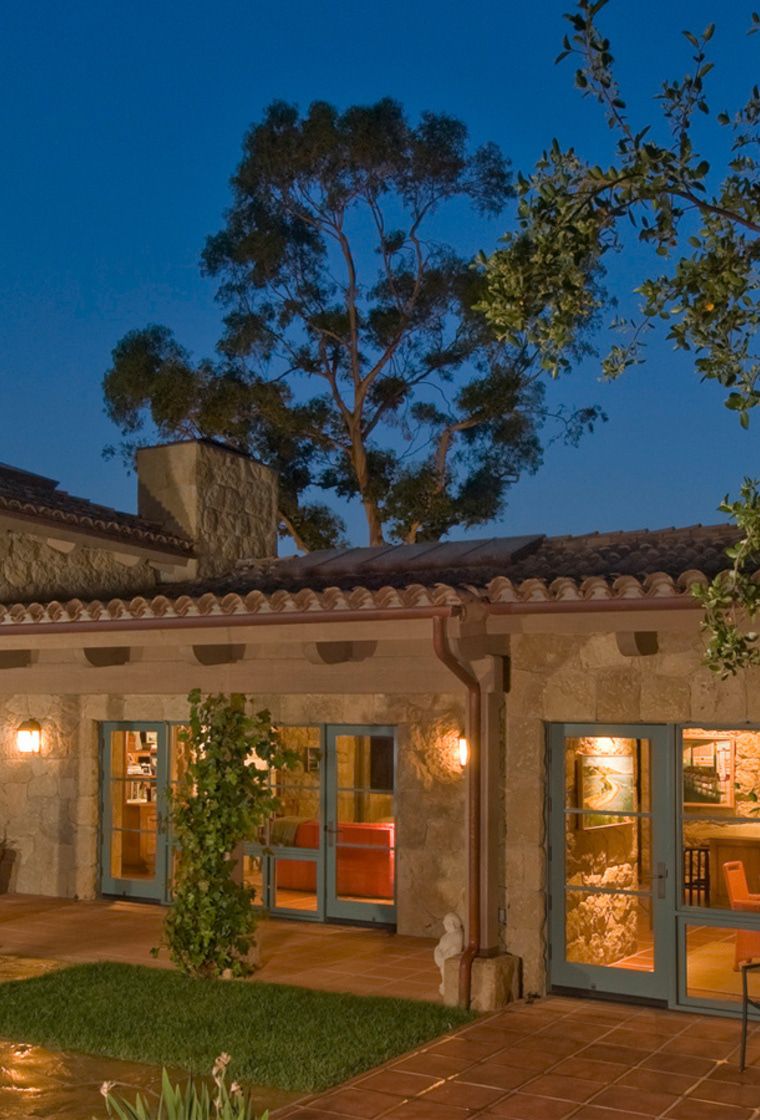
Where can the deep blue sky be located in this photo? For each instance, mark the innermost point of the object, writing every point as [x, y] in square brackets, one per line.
[120, 125]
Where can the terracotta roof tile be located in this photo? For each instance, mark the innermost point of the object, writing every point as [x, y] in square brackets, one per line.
[38, 498]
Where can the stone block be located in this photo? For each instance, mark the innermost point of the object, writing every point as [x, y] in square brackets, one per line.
[664, 699]
[570, 696]
[618, 694]
[494, 982]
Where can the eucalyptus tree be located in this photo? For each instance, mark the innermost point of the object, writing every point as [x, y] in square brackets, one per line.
[351, 358]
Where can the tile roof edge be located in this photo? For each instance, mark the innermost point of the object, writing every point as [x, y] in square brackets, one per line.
[333, 601]
[50, 517]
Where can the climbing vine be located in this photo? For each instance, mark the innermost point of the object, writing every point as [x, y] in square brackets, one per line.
[222, 796]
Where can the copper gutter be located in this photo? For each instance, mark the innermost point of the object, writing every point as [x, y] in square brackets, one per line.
[207, 621]
[682, 602]
[474, 716]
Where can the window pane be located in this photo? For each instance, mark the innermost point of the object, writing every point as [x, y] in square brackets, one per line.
[708, 846]
[614, 856]
[133, 854]
[712, 956]
[721, 815]
[295, 884]
[614, 930]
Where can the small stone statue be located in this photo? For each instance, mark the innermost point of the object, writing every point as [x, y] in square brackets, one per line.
[451, 944]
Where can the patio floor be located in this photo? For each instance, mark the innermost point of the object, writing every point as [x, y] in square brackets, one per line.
[558, 1059]
[328, 957]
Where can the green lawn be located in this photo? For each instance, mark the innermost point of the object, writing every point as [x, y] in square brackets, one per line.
[279, 1036]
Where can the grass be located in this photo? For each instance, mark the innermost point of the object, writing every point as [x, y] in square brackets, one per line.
[279, 1036]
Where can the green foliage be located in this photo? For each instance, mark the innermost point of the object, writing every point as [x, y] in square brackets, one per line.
[193, 1102]
[352, 360]
[545, 281]
[544, 285]
[732, 600]
[219, 801]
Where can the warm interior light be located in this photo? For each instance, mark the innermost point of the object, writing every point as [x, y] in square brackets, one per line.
[29, 737]
[464, 750]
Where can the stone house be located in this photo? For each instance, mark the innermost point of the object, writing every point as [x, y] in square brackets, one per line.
[519, 730]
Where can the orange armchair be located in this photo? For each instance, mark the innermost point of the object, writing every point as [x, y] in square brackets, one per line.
[740, 897]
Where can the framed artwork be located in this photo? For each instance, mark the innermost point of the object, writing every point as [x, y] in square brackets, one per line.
[708, 773]
[605, 782]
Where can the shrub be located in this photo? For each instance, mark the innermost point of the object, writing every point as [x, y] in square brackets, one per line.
[222, 796]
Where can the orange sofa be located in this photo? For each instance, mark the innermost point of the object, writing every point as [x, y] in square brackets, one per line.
[365, 870]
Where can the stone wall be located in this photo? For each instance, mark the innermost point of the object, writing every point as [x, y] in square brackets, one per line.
[49, 803]
[31, 569]
[584, 678]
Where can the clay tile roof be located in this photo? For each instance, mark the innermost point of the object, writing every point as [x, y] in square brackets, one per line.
[638, 566]
[638, 553]
[39, 499]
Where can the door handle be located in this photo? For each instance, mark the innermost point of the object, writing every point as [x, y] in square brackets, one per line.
[661, 876]
[330, 829]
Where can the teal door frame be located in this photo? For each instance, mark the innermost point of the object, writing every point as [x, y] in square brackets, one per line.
[157, 888]
[713, 918]
[335, 906]
[661, 983]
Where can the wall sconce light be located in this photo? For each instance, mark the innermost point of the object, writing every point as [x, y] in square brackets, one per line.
[463, 750]
[29, 737]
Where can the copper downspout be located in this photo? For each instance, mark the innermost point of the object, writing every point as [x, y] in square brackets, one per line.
[470, 681]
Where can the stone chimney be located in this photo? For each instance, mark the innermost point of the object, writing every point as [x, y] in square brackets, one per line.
[220, 498]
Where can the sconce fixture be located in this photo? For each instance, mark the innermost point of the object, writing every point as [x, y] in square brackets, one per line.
[463, 748]
[29, 737]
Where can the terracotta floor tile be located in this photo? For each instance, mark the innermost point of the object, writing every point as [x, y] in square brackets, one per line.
[472, 1050]
[729, 1071]
[526, 1058]
[643, 1100]
[496, 1076]
[714, 1028]
[362, 1103]
[714, 1048]
[678, 1063]
[565, 1088]
[605, 1052]
[727, 1092]
[433, 1065]
[580, 1031]
[589, 1070]
[420, 1109]
[676, 1084]
[538, 1044]
[463, 1094]
[635, 1039]
[591, 1112]
[691, 1109]
[524, 1106]
[397, 1082]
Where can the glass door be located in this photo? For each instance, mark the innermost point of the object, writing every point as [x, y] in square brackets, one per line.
[611, 892]
[360, 824]
[134, 777]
